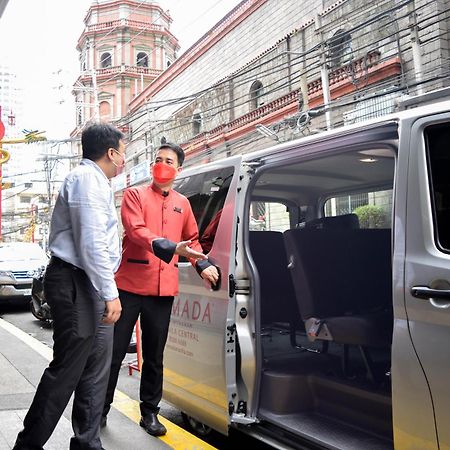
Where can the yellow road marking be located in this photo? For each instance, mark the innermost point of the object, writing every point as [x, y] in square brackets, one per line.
[176, 437]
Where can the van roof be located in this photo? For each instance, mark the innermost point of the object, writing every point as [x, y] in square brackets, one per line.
[396, 117]
[393, 118]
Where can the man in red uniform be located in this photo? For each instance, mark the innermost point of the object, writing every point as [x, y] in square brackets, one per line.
[159, 227]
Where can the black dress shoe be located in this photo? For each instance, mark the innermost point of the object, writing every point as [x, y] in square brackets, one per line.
[103, 422]
[152, 425]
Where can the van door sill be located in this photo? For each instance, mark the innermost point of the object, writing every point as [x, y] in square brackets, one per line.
[326, 432]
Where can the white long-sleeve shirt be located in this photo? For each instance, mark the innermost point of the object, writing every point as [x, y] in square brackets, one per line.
[84, 227]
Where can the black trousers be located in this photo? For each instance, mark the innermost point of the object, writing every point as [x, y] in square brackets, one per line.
[155, 318]
[81, 361]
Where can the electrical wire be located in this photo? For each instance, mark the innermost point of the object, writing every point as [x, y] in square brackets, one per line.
[252, 68]
[360, 26]
[154, 49]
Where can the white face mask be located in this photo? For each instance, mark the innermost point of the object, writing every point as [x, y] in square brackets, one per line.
[119, 167]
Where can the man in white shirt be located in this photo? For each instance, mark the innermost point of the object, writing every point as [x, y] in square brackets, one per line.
[79, 287]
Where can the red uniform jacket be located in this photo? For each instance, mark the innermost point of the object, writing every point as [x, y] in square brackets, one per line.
[154, 223]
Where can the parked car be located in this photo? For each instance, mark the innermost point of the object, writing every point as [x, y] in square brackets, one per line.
[19, 263]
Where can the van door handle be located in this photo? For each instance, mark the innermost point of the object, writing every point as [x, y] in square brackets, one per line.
[428, 293]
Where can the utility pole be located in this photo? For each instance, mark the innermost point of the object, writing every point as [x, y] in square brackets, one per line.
[324, 72]
[415, 45]
[96, 103]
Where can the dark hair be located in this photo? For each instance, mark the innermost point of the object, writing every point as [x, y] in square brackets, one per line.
[97, 138]
[174, 147]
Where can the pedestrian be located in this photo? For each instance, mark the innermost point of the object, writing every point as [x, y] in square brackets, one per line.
[80, 288]
[159, 227]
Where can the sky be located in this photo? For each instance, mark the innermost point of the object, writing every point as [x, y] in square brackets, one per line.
[38, 40]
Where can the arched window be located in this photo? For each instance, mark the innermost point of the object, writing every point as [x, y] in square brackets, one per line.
[142, 59]
[168, 63]
[196, 123]
[105, 60]
[339, 48]
[105, 110]
[256, 92]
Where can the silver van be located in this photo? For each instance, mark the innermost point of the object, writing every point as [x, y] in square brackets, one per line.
[331, 323]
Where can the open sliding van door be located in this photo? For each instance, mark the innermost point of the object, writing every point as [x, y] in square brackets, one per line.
[200, 355]
[421, 370]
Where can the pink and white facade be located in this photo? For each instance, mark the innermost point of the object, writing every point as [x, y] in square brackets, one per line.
[125, 45]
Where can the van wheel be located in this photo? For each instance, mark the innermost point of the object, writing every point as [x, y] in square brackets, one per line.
[198, 428]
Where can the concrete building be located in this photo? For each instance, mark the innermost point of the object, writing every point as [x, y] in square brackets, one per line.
[277, 70]
[11, 101]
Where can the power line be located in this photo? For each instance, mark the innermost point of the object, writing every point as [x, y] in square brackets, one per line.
[182, 100]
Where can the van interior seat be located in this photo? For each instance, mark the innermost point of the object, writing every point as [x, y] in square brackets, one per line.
[343, 282]
[343, 275]
[343, 222]
[278, 299]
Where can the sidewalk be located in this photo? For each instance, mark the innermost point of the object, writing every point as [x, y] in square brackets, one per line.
[22, 362]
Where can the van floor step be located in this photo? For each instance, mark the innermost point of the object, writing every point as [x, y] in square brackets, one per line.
[326, 432]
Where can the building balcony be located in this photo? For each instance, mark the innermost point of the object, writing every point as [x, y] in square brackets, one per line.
[132, 71]
[120, 24]
[369, 70]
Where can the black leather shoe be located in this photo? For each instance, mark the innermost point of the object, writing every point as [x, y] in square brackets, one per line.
[103, 422]
[152, 425]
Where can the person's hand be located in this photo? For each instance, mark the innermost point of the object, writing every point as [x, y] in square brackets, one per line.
[210, 274]
[113, 309]
[183, 249]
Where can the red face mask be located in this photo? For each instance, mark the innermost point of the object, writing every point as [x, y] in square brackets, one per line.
[163, 173]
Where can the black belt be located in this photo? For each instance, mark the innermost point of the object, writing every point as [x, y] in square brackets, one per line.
[58, 262]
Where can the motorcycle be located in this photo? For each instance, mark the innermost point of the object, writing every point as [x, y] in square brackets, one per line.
[39, 307]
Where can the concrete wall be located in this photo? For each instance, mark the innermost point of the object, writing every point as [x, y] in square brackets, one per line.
[277, 44]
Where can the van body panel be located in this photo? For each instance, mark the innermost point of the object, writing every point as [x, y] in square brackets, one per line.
[200, 353]
[321, 145]
[413, 416]
[426, 265]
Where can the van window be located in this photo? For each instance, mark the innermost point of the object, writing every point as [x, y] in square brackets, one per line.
[269, 216]
[372, 208]
[207, 193]
[437, 138]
